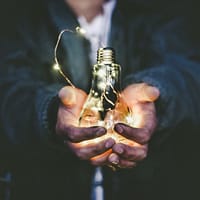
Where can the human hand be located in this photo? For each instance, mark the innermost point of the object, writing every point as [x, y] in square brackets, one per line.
[67, 127]
[138, 126]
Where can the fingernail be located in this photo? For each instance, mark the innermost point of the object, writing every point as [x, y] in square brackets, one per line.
[153, 92]
[109, 144]
[114, 160]
[119, 129]
[119, 150]
[67, 96]
[100, 131]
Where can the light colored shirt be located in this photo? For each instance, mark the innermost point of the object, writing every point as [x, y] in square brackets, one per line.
[97, 31]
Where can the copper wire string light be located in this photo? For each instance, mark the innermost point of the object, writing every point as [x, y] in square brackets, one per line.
[56, 65]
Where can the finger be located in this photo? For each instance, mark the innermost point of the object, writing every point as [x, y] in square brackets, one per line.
[126, 164]
[141, 92]
[101, 159]
[90, 150]
[69, 95]
[113, 159]
[139, 135]
[118, 162]
[78, 134]
[143, 115]
[141, 125]
[126, 152]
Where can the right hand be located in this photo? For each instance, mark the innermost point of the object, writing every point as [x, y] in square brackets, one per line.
[67, 127]
[136, 132]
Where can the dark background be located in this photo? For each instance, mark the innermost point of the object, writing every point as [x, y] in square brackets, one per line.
[12, 10]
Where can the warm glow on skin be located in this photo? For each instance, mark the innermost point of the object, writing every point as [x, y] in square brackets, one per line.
[135, 120]
[110, 134]
[90, 142]
[114, 116]
[105, 154]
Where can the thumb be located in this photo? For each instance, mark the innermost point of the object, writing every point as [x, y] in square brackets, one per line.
[141, 92]
[69, 95]
[149, 93]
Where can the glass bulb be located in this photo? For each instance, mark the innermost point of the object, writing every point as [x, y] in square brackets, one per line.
[103, 97]
[104, 90]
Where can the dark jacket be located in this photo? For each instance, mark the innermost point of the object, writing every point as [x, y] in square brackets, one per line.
[154, 43]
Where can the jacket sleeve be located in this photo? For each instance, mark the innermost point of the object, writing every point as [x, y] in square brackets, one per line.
[27, 92]
[176, 76]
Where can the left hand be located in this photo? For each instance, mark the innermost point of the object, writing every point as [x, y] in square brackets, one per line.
[137, 131]
[78, 139]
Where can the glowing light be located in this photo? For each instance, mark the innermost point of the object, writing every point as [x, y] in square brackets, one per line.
[93, 107]
[56, 67]
[80, 30]
[101, 85]
[101, 73]
[106, 153]
[129, 119]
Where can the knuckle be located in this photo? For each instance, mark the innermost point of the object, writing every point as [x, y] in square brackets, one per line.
[144, 155]
[94, 162]
[80, 153]
[71, 137]
[144, 137]
[59, 129]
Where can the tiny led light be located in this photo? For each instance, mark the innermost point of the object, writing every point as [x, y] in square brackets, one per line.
[129, 119]
[102, 84]
[56, 67]
[80, 30]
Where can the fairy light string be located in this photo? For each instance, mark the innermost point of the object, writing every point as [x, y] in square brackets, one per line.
[56, 65]
[129, 119]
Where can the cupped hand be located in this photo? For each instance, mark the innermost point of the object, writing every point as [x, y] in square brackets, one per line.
[78, 139]
[139, 125]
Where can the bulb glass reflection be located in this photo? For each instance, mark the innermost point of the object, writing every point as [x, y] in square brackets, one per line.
[102, 107]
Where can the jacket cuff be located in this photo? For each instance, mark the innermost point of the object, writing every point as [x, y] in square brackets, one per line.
[47, 111]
